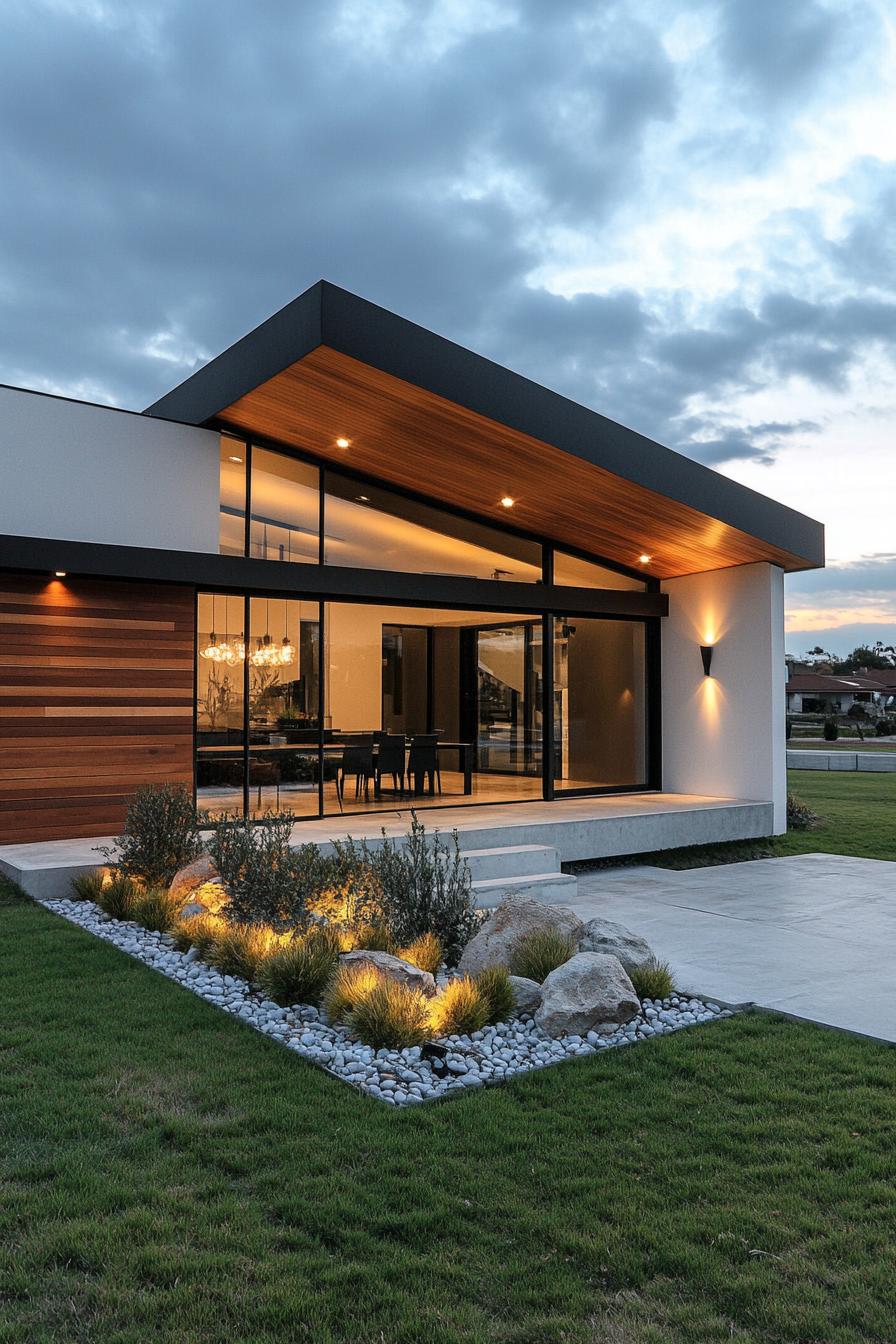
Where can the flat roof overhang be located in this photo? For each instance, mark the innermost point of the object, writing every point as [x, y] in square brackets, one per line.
[428, 416]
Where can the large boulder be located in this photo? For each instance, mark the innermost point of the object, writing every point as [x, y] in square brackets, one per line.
[393, 967]
[526, 993]
[198, 888]
[615, 940]
[583, 993]
[514, 918]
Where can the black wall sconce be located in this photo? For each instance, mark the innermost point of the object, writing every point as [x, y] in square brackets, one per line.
[706, 655]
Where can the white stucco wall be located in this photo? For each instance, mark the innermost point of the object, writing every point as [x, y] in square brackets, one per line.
[76, 472]
[724, 735]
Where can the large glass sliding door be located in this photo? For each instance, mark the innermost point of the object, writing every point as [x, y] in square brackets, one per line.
[600, 704]
[344, 707]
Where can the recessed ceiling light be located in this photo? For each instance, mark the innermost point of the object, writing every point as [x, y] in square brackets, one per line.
[644, 559]
[507, 502]
[233, 458]
[364, 499]
[343, 443]
[60, 573]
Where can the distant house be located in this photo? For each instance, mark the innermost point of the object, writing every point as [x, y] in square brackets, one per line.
[825, 693]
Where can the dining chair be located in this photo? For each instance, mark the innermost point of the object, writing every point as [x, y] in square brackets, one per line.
[357, 760]
[390, 760]
[423, 762]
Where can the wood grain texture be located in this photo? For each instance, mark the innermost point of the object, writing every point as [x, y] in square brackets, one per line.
[423, 442]
[96, 698]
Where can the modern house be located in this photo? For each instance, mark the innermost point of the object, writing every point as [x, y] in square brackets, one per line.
[349, 567]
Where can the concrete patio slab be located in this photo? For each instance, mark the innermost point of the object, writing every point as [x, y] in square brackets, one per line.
[813, 935]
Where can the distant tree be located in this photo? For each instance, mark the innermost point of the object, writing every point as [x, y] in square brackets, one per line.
[879, 656]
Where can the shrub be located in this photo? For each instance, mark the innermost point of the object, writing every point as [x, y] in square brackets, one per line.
[800, 816]
[199, 931]
[299, 971]
[538, 953]
[87, 886]
[495, 987]
[425, 888]
[831, 730]
[238, 949]
[373, 938]
[348, 985]
[267, 882]
[161, 835]
[424, 952]
[460, 1009]
[390, 1016]
[352, 896]
[652, 980]
[118, 897]
[156, 910]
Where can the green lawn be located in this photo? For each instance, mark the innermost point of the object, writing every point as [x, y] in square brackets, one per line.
[170, 1175]
[858, 813]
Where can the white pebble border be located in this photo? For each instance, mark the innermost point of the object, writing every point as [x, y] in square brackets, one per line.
[397, 1077]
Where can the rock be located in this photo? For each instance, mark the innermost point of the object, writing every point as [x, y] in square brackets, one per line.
[587, 990]
[394, 968]
[526, 993]
[514, 918]
[615, 940]
[200, 881]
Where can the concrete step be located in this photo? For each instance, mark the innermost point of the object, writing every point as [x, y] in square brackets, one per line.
[511, 861]
[553, 888]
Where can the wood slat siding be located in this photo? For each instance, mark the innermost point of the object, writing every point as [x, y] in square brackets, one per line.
[96, 698]
[408, 437]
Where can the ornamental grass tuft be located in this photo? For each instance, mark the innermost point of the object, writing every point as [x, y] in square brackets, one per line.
[373, 938]
[87, 886]
[390, 1016]
[538, 953]
[652, 980]
[299, 971]
[424, 952]
[460, 1009]
[157, 910]
[495, 987]
[199, 931]
[346, 987]
[118, 897]
[239, 949]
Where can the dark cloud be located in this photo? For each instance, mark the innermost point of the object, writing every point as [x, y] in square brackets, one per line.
[173, 173]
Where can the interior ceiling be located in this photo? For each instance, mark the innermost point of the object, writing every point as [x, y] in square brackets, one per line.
[415, 439]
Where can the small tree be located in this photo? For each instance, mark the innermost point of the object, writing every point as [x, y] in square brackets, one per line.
[161, 836]
[266, 881]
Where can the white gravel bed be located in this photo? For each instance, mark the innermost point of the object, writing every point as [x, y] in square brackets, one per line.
[397, 1077]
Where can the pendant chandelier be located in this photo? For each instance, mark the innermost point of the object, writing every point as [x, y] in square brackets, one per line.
[267, 652]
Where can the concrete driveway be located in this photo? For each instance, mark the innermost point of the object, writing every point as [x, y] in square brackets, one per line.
[813, 935]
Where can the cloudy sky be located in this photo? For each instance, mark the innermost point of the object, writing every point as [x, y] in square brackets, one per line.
[682, 212]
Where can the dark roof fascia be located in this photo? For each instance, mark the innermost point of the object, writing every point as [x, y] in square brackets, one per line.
[328, 315]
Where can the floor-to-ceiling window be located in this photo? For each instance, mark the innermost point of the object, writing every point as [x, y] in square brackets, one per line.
[600, 704]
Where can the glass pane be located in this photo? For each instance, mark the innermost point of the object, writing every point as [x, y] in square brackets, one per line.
[572, 572]
[285, 508]
[600, 738]
[509, 686]
[370, 528]
[232, 534]
[284, 672]
[219, 703]
[405, 707]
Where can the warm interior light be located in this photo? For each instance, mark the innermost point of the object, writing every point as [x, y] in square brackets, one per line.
[363, 499]
[233, 458]
[507, 502]
[644, 559]
[343, 443]
[60, 573]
